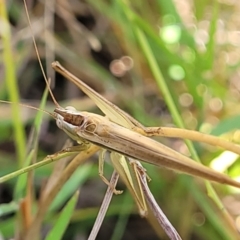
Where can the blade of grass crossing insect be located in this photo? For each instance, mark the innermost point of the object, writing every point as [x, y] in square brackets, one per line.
[63, 220]
[11, 83]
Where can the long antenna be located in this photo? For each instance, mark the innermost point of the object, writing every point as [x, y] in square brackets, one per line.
[29, 106]
[38, 56]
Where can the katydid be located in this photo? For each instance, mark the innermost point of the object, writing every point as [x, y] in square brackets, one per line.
[126, 138]
[119, 132]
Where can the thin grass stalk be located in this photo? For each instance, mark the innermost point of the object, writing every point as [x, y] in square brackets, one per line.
[11, 82]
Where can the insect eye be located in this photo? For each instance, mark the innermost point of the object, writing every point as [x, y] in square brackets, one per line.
[71, 108]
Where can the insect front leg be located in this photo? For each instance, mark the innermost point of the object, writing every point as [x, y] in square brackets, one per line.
[101, 172]
[73, 149]
[78, 148]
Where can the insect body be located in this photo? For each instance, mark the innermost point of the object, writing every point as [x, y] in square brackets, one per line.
[82, 126]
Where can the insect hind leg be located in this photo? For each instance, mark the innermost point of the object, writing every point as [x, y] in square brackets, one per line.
[101, 172]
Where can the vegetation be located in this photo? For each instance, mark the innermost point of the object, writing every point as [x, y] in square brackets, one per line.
[166, 63]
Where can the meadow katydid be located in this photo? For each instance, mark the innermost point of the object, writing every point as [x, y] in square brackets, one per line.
[118, 132]
[121, 133]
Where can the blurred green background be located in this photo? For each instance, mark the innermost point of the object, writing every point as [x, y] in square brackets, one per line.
[166, 63]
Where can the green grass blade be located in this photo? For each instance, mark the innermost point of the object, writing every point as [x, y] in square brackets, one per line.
[208, 57]
[8, 208]
[63, 220]
[11, 82]
[73, 183]
[168, 7]
[210, 212]
[21, 184]
[123, 217]
[226, 125]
